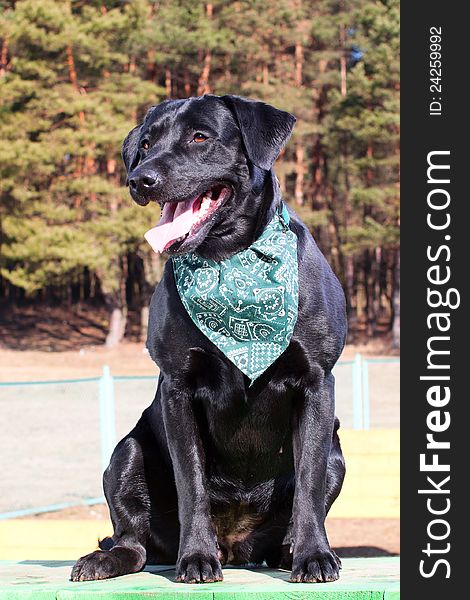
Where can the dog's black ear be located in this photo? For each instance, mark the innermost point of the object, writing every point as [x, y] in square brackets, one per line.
[265, 129]
[130, 149]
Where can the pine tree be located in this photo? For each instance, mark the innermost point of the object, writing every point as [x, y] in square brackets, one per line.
[71, 99]
[75, 76]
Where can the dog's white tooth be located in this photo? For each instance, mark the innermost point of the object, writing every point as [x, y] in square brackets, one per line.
[204, 207]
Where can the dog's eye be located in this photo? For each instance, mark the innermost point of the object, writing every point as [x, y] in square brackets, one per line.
[199, 137]
[145, 144]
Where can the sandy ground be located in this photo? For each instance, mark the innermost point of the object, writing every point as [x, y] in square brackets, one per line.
[39, 342]
[50, 432]
[130, 358]
[35, 365]
[57, 426]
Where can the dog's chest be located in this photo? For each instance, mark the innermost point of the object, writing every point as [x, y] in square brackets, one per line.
[247, 439]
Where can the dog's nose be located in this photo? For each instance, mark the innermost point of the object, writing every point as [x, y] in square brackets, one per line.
[144, 181]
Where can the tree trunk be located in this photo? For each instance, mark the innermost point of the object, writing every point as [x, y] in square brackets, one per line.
[168, 83]
[115, 300]
[282, 182]
[4, 56]
[299, 58]
[350, 300]
[334, 226]
[203, 83]
[281, 173]
[73, 76]
[187, 84]
[117, 322]
[299, 173]
[342, 61]
[396, 304]
[265, 74]
[377, 287]
[335, 244]
[360, 292]
[152, 271]
[151, 66]
[370, 278]
[144, 322]
[71, 67]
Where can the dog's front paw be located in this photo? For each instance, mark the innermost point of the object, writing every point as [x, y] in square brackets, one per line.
[198, 568]
[97, 565]
[315, 567]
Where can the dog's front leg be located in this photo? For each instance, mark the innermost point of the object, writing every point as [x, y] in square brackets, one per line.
[313, 559]
[198, 555]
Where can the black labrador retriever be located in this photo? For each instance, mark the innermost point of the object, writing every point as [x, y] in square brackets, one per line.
[219, 471]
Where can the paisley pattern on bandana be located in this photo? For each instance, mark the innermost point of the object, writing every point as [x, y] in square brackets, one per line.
[247, 304]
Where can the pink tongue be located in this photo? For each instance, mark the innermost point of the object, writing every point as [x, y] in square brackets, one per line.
[176, 220]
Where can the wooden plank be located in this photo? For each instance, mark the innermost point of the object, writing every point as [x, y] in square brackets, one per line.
[30, 539]
[372, 485]
[371, 490]
[361, 579]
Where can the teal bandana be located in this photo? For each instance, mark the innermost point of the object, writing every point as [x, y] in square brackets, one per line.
[247, 304]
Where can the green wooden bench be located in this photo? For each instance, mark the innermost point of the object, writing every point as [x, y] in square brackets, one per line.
[361, 579]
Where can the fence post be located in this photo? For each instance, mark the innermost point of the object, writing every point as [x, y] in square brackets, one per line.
[365, 394]
[357, 392]
[107, 417]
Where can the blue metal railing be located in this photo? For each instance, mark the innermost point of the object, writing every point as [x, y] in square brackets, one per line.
[25, 512]
[107, 414]
[361, 390]
[107, 417]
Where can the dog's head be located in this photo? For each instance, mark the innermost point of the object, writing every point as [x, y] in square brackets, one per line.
[204, 160]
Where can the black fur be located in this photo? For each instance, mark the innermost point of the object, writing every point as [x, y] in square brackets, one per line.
[217, 471]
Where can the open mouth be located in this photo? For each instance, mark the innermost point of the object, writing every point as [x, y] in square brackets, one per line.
[182, 220]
